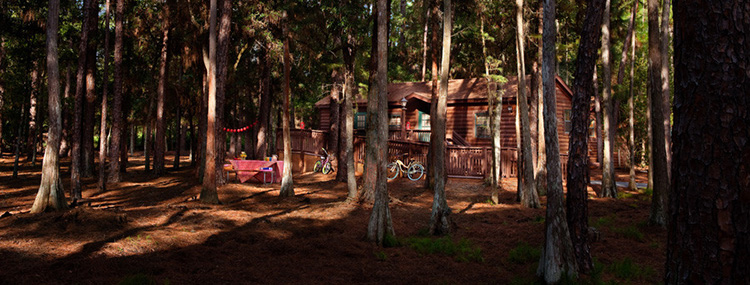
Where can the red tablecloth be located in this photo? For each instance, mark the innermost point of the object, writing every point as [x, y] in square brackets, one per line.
[247, 169]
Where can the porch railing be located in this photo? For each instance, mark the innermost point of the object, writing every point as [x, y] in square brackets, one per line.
[460, 161]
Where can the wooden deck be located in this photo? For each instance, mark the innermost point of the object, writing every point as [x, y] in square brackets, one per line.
[461, 161]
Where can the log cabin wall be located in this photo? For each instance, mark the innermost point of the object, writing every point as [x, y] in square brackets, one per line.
[462, 114]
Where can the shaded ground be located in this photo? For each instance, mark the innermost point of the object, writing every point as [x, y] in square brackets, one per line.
[149, 228]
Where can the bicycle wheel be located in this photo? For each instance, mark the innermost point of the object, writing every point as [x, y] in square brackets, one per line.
[327, 168]
[393, 170]
[318, 166]
[415, 172]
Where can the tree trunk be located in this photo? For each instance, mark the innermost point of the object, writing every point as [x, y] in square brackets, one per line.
[494, 108]
[222, 57]
[440, 219]
[557, 255]
[598, 118]
[105, 90]
[335, 128]
[148, 144]
[708, 239]
[287, 184]
[193, 139]
[87, 152]
[160, 93]
[347, 166]
[65, 111]
[541, 170]
[628, 43]
[430, 179]
[665, 88]
[631, 103]
[578, 169]
[380, 225]
[372, 159]
[2, 89]
[609, 188]
[661, 184]
[32, 126]
[526, 186]
[178, 142]
[424, 41]
[117, 114]
[203, 122]
[51, 193]
[209, 194]
[265, 105]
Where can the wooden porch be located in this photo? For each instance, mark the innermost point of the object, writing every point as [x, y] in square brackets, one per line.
[460, 162]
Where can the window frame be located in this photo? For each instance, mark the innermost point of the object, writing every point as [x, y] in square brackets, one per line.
[485, 114]
[357, 121]
[567, 122]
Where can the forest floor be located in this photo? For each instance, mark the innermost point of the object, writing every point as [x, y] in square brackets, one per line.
[152, 230]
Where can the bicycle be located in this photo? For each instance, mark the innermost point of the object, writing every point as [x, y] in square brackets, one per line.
[324, 164]
[414, 170]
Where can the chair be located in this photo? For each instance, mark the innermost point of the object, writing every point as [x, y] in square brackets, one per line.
[266, 170]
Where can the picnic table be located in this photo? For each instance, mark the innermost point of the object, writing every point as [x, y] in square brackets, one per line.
[247, 169]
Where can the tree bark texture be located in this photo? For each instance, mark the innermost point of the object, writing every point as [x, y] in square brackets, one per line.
[75, 168]
[161, 125]
[372, 158]
[526, 187]
[628, 43]
[631, 106]
[348, 132]
[380, 225]
[51, 194]
[430, 179]
[65, 136]
[335, 129]
[209, 194]
[609, 188]
[424, 40]
[117, 115]
[347, 167]
[222, 66]
[33, 118]
[287, 184]
[578, 169]
[709, 203]
[665, 87]
[87, 151]
[105, 91]
[541, 171]
[440, 219]
[659, 167]
[557, 256]
[264, 113]
[178, 133]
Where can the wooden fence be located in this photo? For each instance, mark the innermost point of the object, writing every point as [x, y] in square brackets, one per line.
[460, 161]
[304, 141]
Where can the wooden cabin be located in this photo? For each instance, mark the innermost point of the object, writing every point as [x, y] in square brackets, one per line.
[467, 116]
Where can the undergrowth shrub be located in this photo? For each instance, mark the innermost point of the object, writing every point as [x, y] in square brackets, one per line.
[628, 270]
[523, 253]
[462, 251]
[631, 232]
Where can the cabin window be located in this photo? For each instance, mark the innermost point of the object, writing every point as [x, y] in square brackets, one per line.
[482, 125]
[566, 118]
[394, 121]
[424, 121]
[360, 120]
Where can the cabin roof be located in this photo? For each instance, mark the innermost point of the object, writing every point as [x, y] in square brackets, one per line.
[459, 90]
